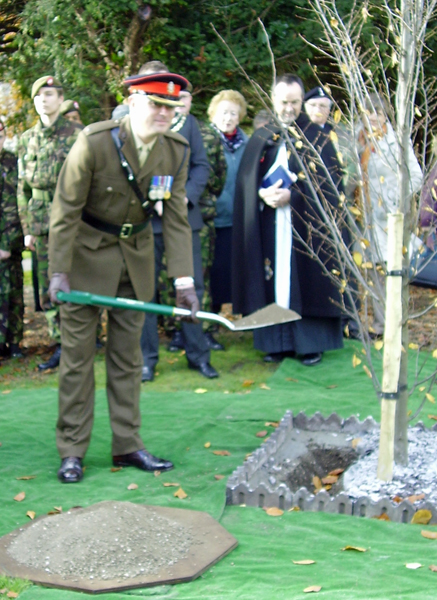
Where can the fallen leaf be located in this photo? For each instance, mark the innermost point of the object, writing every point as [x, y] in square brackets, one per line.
[434, 417]
[413, 565]
[272, 424]
[367, 371]
[263, 386]
[329, 479]
[355, 548]
[31, 514]
[221, 452]
[397, 499]
[207, 445]
[272, 511]
[157, 473]
[19, 497]
[26, 477]
[415, 498]
[115, 469]
[166, 484]
[132, 486]
[422, 388]
[430, 535]
[218, 477]
[313, 588]
[336, 472]
[413, 346]
[292, 379]
[180, 494]
[430, 397]
[12, 595]
[58, 509]
[6, 391]
[356, 361]
[434, 354]
[433, 568]
[355, 442]
[248, 382]
[200, 391]
[304, 562]
[261, 434]
[327, 487]
[378, 344]
[317, 482]
[422, 517]
[382, 517]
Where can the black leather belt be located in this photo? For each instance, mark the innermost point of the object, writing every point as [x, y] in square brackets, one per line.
[122, 231]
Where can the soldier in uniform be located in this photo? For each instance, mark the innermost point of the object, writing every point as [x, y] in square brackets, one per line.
[11, 247]
[101, 241]
[41, 154]
[70, 109]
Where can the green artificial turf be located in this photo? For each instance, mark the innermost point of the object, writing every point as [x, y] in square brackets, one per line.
[177, 425]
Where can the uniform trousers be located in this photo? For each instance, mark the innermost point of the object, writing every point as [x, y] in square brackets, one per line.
[11, 296]
[123, 376]
[196, 348]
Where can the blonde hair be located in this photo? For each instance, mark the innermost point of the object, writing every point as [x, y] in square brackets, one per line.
[230, 96]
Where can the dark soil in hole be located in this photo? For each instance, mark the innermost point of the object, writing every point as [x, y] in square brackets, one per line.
[318, 461]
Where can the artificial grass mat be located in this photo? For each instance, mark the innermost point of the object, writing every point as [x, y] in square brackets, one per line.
[177, 426]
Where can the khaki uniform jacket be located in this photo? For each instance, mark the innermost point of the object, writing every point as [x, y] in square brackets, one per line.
[92, 178]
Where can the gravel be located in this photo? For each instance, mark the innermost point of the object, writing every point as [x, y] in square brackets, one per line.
[114, 541]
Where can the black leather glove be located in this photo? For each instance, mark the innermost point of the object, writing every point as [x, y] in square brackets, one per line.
[186, 297]
[58, 283]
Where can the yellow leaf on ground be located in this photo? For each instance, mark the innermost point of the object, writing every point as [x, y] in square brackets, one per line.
[413, 565]
[115, 469]
[272, 511]
[292, 379]
[261, 434]
[329, 479]
[6, 391]
[248, 382]
[397, 499]
[221, 452]
[415, 498]
[271, 423]
[382, 517]
[132, 486]
[317, 482]
[218, 477]
[430, 535]
[413, 346]
[294, 509]
[367, 371]
[422, 388]
[207, 445]
[157, 473]
[180, 494]
[31, 514]
[26, 477]
[430, 397]
[336, 472]
[20, 497]
[433, 417]
[304, 562]
[200, 391]
[378, 344]
[264, 386]
[422, 517]
[313, 588]
[355, 548]
[356, 361]
[434, 354]
[355, 442]
[12, 595]
[166, 484]
[433, 568]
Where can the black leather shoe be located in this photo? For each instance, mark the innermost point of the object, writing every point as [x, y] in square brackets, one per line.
[177, 342]
[274, 357]
[212, 343]
[142, 460]
[147, 374]
[53, 361]
[204, 369]
[311, 359]
[71, 470]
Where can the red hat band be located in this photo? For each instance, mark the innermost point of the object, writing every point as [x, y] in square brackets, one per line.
[163, 88]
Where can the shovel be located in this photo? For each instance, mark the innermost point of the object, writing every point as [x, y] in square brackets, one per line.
[269, 315]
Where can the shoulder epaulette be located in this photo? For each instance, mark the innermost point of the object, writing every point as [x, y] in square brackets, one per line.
[176, 136]
[101, 126]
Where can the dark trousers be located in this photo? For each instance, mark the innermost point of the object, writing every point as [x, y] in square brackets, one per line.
[196, 349]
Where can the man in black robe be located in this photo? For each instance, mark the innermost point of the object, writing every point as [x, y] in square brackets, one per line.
[270, 262]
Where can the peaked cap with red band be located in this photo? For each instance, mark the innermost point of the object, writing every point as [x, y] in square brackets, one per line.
[162, 88]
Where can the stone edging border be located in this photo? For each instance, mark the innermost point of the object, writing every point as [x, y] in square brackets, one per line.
[238, 491]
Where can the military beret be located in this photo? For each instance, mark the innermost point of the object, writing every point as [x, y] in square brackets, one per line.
[317, 92]
[47, 81]
[162, 88]
[69, 106]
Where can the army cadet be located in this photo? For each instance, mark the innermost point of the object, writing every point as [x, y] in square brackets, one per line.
[11, 247]
[41, 154]
[70, 109]
[101, 241]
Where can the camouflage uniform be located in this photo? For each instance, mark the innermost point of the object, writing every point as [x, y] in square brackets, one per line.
[217, 160]
[41, 154]
[11, 240]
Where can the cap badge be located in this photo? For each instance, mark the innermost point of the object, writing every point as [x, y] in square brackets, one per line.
[170, 87]
[50, 81]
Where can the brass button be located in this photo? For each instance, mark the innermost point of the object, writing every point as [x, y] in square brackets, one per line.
[133, 202]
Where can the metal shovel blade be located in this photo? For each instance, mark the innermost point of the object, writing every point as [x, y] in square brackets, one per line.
[269, 315]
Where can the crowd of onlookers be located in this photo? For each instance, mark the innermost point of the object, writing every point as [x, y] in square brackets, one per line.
[240, 208]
